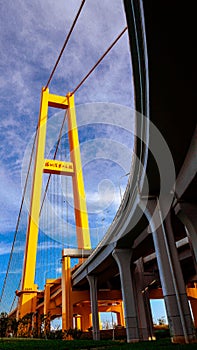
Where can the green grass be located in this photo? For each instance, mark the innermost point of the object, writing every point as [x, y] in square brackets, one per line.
[37, 344]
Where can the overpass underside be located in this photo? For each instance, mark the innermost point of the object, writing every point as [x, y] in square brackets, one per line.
[151, 245]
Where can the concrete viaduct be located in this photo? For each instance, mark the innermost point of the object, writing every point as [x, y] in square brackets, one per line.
[151, 246]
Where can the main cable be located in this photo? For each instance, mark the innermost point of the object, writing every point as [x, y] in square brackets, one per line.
[99, 61]
[65, 43]
[13, 302]
[48, 82]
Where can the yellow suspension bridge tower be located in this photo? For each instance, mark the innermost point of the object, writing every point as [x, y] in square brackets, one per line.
[28, 292]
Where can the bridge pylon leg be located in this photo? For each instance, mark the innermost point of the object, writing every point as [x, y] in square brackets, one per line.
[67, 305]
[28, 293]
[27, 303]
[81, 216]
[47, 296]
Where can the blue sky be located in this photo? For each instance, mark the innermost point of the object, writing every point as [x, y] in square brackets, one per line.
[32, 35]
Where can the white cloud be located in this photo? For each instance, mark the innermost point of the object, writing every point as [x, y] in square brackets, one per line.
[32, 34]
[9, 200]
[5, 248]
[31, 37]
[47, 245]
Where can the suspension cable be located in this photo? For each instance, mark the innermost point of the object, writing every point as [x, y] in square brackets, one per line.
[65, 43]
[55, 153]
[78, 86]
[99, 61]
[13, 302]
[23, 198]
[19, 215]
[31, 157]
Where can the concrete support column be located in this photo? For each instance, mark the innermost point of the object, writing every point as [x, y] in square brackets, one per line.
[174, 291]
[67, 304]
[120, 314]
[143, 302]
[38, 324]
[193, 303]
[47, 296]
[192, 295]
[78, 322]
[85, 321]
[118, 318]
[186, 212]
[122, 320]
[94, 307]
[123, 259]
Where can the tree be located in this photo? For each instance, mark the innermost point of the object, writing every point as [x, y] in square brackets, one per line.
[162, 321]
[12, 326]
[25, 326]
[3, 323]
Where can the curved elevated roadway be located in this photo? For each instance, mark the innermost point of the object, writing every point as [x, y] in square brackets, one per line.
[162, 43]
